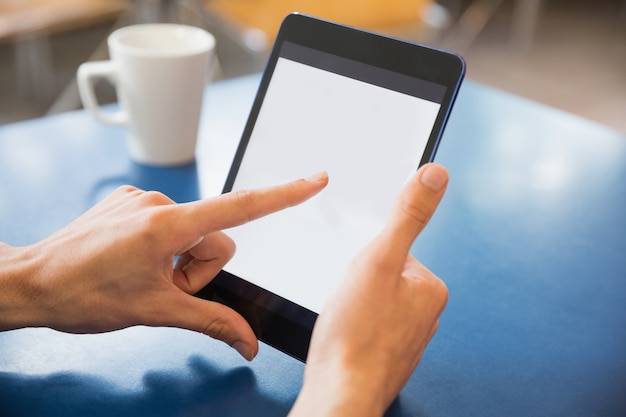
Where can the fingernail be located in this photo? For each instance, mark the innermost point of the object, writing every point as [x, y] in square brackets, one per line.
[434, 177]
[320, 176]
[244, 350]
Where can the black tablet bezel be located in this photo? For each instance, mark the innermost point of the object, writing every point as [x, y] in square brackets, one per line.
[274, 319]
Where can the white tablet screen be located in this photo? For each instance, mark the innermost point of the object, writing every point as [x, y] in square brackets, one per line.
[367, 137]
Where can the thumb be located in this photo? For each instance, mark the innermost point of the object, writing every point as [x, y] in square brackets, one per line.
[211, 318]
[414, 207]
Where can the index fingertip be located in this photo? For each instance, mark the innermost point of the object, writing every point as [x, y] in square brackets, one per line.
[320, 177]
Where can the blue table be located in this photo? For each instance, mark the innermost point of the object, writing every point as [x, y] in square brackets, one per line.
[531, 239]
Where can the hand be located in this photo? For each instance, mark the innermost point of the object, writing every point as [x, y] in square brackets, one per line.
[114, 266]
[373, 331]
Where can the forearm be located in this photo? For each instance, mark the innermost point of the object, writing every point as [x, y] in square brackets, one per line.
[18, 293]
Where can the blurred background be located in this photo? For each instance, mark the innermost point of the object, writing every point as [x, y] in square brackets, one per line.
[569, 54]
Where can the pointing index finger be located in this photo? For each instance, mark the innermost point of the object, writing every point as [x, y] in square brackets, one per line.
[239, 207]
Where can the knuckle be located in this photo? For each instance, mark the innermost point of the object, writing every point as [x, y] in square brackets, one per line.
[124, 193]
[126, 189]
[292, 189]
[153, 208]
[416, 212]
[216, 328]
[155, 198]
[244, 199]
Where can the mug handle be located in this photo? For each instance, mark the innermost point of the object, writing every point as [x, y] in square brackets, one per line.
[88, 72]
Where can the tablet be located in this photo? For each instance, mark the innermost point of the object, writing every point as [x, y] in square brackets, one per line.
[366, 108]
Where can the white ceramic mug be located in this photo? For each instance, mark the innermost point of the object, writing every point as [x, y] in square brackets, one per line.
[160, 72]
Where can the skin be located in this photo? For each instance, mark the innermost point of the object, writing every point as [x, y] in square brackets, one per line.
[114, 267]
[352, 370]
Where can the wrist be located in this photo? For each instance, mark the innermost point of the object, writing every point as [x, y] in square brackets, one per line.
[19, 295]
[340, 390]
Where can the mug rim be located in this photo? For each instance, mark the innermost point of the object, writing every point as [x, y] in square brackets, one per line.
[205, 41]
